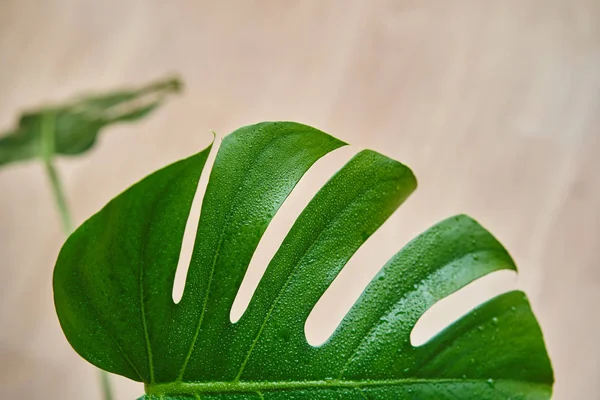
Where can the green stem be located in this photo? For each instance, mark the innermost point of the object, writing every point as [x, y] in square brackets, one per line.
[106, 386]
[63, 209]
[59, 196]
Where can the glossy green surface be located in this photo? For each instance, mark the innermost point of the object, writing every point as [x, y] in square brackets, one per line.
[114, 277]
[76, 125]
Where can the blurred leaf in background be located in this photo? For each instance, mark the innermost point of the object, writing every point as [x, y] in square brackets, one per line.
[73, 127]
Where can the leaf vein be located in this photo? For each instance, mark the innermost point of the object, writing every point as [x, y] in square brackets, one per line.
[99, 316]
[293, 272]
[362, 394]
[218, 248]
[141, 276]
[376, 324]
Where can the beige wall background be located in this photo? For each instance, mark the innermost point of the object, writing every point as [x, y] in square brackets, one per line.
[495, 104]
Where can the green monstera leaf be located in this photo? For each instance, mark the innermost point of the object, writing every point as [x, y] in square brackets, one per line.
[114, 277]
[72, 128]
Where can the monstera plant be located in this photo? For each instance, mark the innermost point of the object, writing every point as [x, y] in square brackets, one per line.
[71, 129]
[114, 277]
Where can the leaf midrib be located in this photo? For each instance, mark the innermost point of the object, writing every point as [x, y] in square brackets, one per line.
[191, 388]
